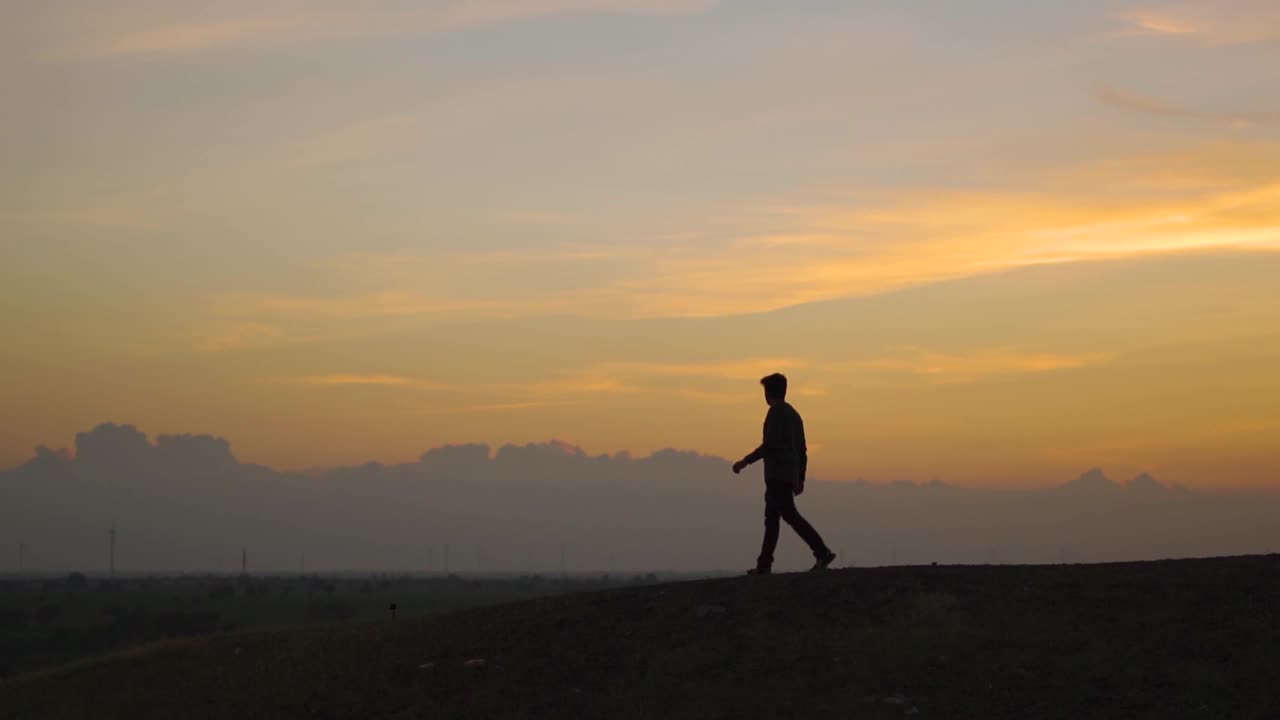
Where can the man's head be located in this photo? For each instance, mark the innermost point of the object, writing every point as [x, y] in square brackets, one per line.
[775, 388]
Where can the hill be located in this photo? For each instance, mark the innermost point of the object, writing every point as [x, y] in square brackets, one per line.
[1173, 639]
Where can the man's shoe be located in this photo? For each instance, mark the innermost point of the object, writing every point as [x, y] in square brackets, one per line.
[824, 562]
[760, 571]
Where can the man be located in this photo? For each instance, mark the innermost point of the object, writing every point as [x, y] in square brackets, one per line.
[785, 458]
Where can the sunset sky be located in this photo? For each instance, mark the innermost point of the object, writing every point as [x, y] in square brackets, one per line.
[995, 242]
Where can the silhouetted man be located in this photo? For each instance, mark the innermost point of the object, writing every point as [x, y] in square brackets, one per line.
[786, 457]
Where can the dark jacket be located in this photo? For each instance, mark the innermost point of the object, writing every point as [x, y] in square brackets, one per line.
[785, 455]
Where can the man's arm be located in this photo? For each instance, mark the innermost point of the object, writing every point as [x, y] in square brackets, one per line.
[802, 449]
[752, 457]
[759, 453]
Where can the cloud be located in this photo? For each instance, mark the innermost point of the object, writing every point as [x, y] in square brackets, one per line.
[391, 303]
[369, 137]
[129, 218]
[947, 368]
[841, 244]
[339, 380]
[188, 37]
[585, 383]
[710, 397]
[537, 217]
[281, 24]
[494, 407]
[581, 384]
[1136, 102]
[603, 379]
[241, 337]
[351, 380]
[1156, 22]
[750, 369]
[523, 503]
[1210, 23]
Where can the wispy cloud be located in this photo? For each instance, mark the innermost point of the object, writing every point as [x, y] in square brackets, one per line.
[494, 407]
[582, 384]
[240, 337]
[374, 380]
[975, 365]
[120, 216]
[367, 138]
[1137, 102]
[749, 369]
[1208, 22]
[1159, 22]
[1222, 198]
[386, 304]
[194, 36]
[294, 23]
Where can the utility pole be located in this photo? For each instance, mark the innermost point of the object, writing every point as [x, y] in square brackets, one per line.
[22, 558]
[564, 572]
[446, 559]
[244, 561]
[111, 563]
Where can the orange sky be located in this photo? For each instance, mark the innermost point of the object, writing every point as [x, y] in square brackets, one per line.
[996, 253]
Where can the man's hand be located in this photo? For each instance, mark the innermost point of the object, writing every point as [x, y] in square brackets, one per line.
[799, 487]
[737, 467]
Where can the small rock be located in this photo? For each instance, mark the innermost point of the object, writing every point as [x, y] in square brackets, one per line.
[895, 700]
[474, 664]
[237, 651]
[706, 610]
[913, 710]
[426, 666]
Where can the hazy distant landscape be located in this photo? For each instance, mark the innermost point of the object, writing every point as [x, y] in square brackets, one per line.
[184, 503]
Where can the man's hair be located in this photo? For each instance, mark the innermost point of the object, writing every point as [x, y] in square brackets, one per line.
[775, 385]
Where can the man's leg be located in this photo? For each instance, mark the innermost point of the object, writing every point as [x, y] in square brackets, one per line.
[765, 561]
[786, 508]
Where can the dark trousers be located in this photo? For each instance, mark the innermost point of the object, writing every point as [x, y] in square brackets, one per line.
[780, 503]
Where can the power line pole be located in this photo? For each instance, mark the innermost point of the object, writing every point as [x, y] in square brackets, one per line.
[22, 558]
[564, 571]
[244, 561]
[111, 563]
[446, 559]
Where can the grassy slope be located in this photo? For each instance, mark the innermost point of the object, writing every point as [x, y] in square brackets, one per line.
[1160, 640]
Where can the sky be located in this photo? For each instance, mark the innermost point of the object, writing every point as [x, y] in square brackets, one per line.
[993, 242]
